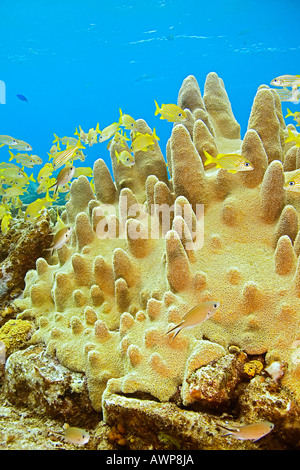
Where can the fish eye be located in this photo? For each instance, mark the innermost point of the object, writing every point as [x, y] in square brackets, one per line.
[215, 305]
[179, 114]
[291, 183]
[247, 164]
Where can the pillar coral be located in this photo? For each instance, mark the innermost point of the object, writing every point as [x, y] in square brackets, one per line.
[104, 305]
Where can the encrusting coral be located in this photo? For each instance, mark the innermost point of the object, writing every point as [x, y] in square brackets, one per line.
[104, 304]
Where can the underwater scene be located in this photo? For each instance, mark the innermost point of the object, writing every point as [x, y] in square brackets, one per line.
[150, 232]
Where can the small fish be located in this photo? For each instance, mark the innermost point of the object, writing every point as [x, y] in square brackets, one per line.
[34, 208]
[92, 135]
[128, 122]
[289, 95]
[295, 115]
[45, 172]
[76, 436]
[170, 112]
[7, 140]
[26, 160]
[61, 158]
[82, 170]
[22, 98]
[293, 138]
[54, 149]
[14, 173]
[63, 177]
[109, 131]
[125, 158]
[82, 135]
[196, 315]
[143, 141]
[60, 238]
[65, 140]
[5, 222]
[232, 162]
[293, 184]
[21, 145]
[286, 80]
[252, 432]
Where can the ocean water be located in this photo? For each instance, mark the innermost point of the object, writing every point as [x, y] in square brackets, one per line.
[79, 62]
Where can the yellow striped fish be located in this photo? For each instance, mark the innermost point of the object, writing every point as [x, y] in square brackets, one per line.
[63, 157]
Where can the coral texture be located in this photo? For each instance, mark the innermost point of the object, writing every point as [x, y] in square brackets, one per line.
[104, 303]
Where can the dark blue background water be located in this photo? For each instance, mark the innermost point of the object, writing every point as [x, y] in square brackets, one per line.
[77, 62]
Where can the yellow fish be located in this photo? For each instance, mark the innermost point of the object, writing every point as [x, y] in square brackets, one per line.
[143, 141]
[11, 173]
[286, 80]
[293, 138]
[232, 162]
[5, 222]
[196, 315]
[295, 115]
[45, 172]
[21, 145]
[61, 158]
[82, 135]
[76, 436]
[63, 177]
[82, 170]
[7, 140]
[125, 157]
[109, 131]
[170, 112]
[34, 208]
[26, 160]
[293, 184]
[54, 149]
[65, 140]
[252, 432]
[128, 122]
[93, 135]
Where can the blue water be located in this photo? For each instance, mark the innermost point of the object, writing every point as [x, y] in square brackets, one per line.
[77, 62]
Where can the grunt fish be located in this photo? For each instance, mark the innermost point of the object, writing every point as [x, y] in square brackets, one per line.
[143, 141]
[196, 315]
[170, 112]
[286, 80]
[293, 184]
[125, 158]
[232, 162]
[293, 138]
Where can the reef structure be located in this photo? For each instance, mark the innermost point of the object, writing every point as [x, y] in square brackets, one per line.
[104, 304]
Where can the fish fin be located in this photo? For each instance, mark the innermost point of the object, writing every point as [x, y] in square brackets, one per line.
[12, 156]
[161, 117]
[289, 113]
[174, 328]
[154, 134]
[209, 158]
[291, 137]
[157, 109]
[56, 138]
[97, 128]
[117, 155]
[231, 171]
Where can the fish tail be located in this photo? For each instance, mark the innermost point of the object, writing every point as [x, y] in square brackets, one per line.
[154, 134]
[291, 137]
[157, 109]
[289, 113]
[209, 158]
[177, 327]
[11, 156]
[56, 139]
[117, 155]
